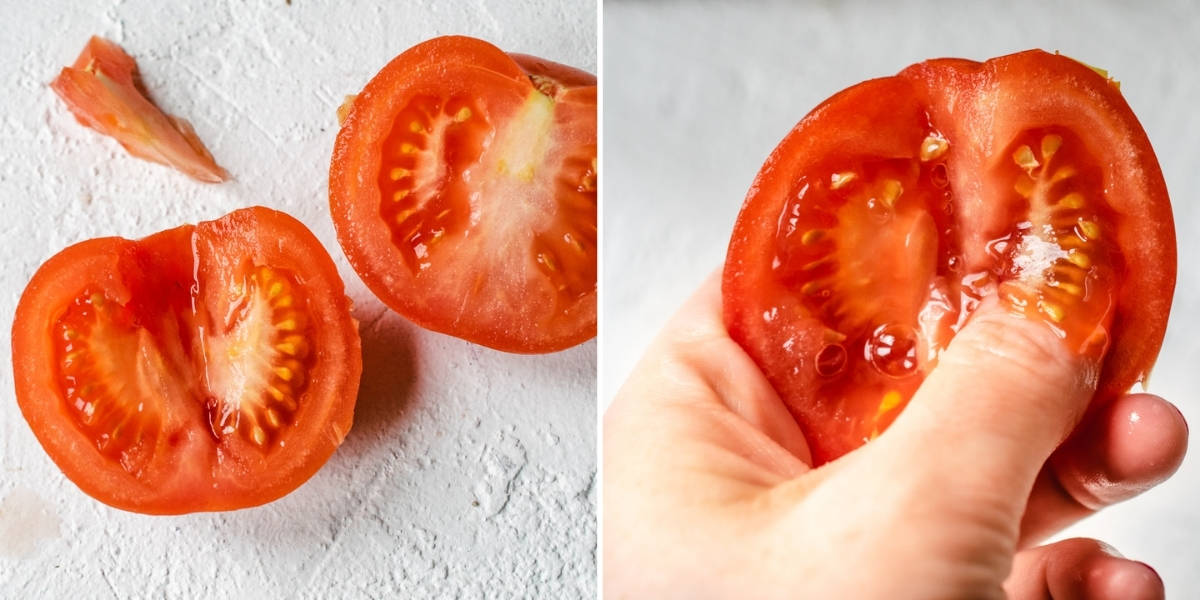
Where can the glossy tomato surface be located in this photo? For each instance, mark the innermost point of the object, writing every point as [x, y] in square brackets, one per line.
[896, 207]
[104, 91]
[463, 189]
[207, 367]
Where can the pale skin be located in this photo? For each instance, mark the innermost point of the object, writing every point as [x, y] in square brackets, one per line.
[709, 490]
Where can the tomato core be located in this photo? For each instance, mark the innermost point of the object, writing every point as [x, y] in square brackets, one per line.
[416, 203]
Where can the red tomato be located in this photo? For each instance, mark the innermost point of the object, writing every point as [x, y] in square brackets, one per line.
[889, 212]
[463, 189]
[104, 92]
[207, 367]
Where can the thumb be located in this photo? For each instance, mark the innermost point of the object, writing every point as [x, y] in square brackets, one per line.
[1003, 396]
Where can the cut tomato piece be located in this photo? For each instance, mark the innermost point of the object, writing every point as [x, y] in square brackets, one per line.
[463, 189]
[208, 367]
[892, 210]
[104, 91]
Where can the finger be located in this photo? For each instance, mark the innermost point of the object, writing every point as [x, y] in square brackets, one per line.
[1128, 447]
[1004, 394]
[700, 315]
[698, 336]
[694, 362]
[1081, 568]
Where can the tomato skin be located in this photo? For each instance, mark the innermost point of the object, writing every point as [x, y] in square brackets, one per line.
[564, 75]
[103, 90]
[979, 108]
[150, 278]
[528, 316]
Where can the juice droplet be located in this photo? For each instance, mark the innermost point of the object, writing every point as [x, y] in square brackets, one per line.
[831, 360]
[892, 350]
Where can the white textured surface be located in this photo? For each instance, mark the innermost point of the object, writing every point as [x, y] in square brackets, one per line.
[698, 94]
[469, 473]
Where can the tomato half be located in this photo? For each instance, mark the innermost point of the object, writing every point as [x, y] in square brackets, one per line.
[207, 367]
[463, 189]
[104, 91]
[894, 208]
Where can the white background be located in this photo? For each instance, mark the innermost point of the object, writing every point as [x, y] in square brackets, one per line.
[469, 473]
[697, 95]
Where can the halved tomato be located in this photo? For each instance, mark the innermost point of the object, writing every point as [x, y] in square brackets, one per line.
[463, 189]
[897, 206]
[207, 367]
[104, 91]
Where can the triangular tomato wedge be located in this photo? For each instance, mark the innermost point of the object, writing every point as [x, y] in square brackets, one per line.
[104, 91]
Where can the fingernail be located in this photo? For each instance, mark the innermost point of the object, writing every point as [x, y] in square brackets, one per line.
[1151, 569]
[1186, 429]
[1109, 550]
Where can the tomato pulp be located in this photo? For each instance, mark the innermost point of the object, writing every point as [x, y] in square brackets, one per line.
[897, 206]
[207, 367]
[463, 190]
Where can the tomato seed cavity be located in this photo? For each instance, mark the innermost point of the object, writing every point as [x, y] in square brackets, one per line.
[1049, 258]
[573, 241]
[95, 336]
[258, 368]
[418, 173]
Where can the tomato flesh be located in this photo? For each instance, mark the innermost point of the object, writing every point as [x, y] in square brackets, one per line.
[104, 92]
[885, 219]
[198, 369]
[463, 188]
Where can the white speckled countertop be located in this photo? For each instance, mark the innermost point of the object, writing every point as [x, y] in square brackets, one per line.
[698, 94]
[469, 473]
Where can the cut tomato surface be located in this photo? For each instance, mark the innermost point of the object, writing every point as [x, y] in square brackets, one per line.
[207, 367]
[896, 207]
[104, 91]
[463, 189]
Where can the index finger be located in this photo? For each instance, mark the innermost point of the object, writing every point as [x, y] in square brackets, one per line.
[693, 360]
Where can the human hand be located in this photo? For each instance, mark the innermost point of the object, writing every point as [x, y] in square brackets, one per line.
[709, 491]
